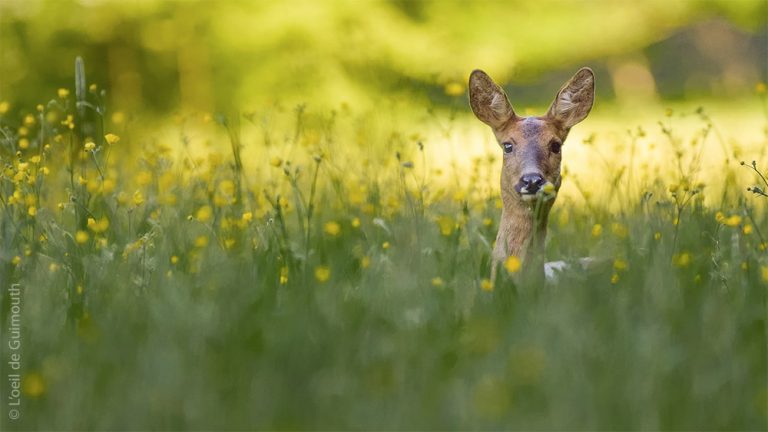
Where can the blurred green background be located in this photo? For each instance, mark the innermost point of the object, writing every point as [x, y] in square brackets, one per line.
[155, 297]
[161, 56]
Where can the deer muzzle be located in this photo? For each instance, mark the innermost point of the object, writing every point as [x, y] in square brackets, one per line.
[529, 184]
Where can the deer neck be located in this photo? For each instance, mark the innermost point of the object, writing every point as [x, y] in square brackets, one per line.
[522, 229]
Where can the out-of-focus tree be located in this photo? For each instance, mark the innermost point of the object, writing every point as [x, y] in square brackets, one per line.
[213, 54]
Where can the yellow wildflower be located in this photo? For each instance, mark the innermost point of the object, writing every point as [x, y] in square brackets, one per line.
[620, 264]
[356, 222]
[32, 211]
[204, 213]
[614, 278]
[747, 230]
[69, 122]
[719, 217]
[512, 264]
[201, 241]
[732, 221]
[682, 259]
[548, 188]
[322, 273]
[174, 259]
[454, 89]
[332, 228]
[4, 106]
[23, 143]
[486, 285]
[16, 260]
[487, 222]
[138, 198]
[276, 162]
[63, 93]
[111, 138]
[437, 282]
[32, 385]
[385, 245]
[283, 275]
[657, 236]
[247, 217]
[98, 226]
[365, 262]
[81, 236]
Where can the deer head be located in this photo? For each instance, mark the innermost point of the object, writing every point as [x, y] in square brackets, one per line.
[532, 147]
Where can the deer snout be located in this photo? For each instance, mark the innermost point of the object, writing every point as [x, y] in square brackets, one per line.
[529, 184]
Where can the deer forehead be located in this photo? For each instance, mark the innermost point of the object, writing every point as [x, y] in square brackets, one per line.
[529, 130]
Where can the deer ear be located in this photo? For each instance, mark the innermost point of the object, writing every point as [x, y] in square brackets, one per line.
[574, 100]
[488, 100]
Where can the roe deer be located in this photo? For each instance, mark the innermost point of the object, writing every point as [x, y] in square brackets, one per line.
[530, 175]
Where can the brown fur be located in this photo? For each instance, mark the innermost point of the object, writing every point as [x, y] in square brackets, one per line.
[523, 223]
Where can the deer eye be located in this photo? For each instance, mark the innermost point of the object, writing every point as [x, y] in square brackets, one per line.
[554, 146]
[507, 147]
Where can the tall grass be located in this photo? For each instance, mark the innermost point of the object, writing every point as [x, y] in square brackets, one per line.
[347, 288]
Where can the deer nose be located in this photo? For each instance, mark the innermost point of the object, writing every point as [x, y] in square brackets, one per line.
[530, 183]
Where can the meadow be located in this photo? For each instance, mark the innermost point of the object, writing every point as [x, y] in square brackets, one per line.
[293, 268]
